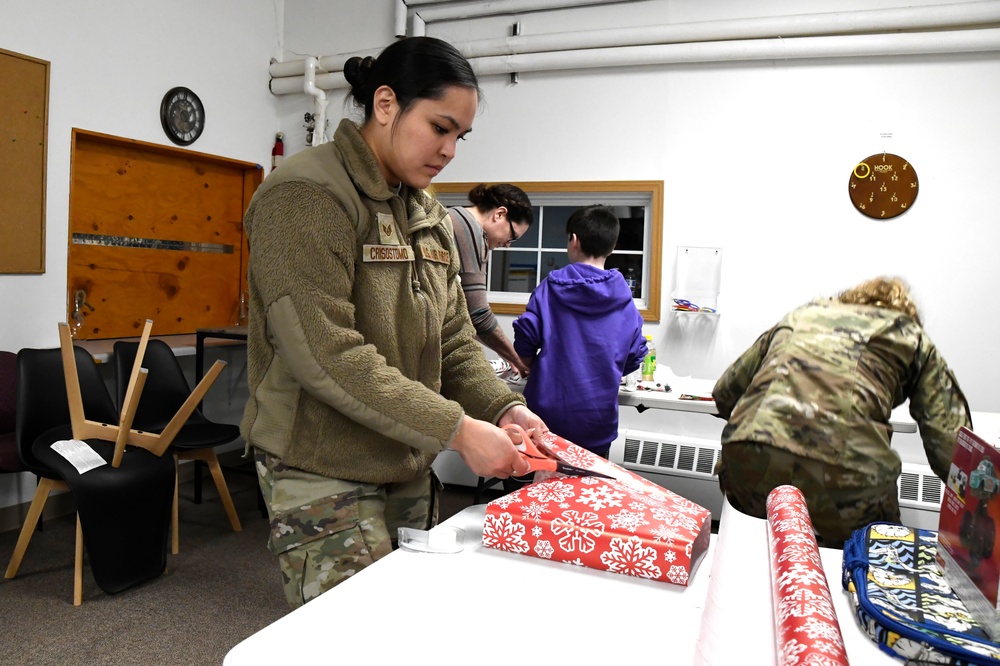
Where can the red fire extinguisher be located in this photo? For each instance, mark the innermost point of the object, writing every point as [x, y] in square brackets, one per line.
[278, 152]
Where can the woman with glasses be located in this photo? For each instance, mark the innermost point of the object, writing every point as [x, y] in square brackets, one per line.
[498, 216]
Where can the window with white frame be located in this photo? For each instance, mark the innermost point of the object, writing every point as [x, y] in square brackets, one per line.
[516, 270]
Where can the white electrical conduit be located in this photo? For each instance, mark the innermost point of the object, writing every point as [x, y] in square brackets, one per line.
[499, 8]
[847, 46]
[808, 25]
[843, 46]
[450, 11]
[965, 15]
[402, 8]
[320, 101]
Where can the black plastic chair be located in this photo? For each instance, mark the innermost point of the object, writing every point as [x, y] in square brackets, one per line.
[123, 511]
[9, 460]
[165, 390]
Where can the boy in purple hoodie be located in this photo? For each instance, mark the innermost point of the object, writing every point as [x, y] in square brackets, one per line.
[580, 334]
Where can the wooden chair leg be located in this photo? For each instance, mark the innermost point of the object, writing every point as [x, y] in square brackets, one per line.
[197, 481]
[78, 565]
[45, 486]
[208, 457]
[175, 539]
[220, 484]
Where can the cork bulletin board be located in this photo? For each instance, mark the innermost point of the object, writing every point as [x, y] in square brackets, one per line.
[24, 113]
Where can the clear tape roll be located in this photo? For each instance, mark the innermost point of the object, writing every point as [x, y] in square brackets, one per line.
[442, 539]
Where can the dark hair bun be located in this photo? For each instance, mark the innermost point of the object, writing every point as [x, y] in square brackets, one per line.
[513, 198]
[477, 194]
[357, 71]
[414, 68]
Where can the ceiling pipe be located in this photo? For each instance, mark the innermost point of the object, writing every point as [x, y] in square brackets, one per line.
[320, 101]
[842, 46]
[324, 64]
[450, 10]
[969, 14]
[847, 46]
[335, 62]
[399, 19]
[974, 14]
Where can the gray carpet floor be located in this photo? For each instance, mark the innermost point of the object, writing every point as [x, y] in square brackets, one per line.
[222, 587]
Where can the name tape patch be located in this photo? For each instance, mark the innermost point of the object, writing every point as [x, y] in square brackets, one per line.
[436, 254]
[384, 253]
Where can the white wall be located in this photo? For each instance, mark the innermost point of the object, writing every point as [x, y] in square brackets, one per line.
[110, 65]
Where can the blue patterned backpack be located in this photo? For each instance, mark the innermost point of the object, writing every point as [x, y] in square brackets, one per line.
[903, 602]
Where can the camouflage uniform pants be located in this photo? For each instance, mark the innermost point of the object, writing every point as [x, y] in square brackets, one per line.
[325, 530]
[839, 500]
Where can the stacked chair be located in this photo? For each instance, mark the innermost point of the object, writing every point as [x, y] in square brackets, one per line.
[123, 505]
[165, 391]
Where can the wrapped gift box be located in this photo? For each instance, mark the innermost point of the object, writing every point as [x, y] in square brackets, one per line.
[628, 525]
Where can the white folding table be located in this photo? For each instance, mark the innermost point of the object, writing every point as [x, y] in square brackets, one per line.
[486, 607]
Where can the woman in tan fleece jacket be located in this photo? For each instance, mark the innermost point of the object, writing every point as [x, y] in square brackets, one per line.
[362, 360]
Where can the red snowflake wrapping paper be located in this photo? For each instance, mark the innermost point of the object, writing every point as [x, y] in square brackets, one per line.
[807, 632]
[628, 525]
[578, 456]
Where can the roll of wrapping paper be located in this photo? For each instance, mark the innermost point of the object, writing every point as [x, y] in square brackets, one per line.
[806, 630]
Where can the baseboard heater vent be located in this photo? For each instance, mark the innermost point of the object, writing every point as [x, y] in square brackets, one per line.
[683, 454]
[662, 457]
[920, 488]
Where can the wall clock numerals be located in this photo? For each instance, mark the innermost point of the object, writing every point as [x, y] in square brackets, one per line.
[182, 116]
[883, 186]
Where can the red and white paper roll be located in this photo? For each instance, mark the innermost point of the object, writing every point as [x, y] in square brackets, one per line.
[806, 630]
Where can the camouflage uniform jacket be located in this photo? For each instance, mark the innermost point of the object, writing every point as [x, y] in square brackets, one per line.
[362, 360]
[822, 383]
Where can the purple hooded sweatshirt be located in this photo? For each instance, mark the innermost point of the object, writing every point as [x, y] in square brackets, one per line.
[585, 333]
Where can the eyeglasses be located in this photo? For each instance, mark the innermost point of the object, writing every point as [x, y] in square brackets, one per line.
[513, 234]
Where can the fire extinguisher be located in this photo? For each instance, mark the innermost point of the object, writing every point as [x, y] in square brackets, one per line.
[278, 152]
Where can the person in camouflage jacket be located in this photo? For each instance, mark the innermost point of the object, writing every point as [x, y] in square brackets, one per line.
[808, 404]
[362, 362]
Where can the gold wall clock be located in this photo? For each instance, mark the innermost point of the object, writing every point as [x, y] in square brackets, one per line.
[883, 186]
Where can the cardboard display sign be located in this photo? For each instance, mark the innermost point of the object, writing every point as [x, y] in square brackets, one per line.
[967, 534]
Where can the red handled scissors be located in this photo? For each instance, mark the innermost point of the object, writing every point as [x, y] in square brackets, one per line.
[540, 458]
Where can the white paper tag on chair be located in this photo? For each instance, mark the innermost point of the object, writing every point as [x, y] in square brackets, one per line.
[79, 454]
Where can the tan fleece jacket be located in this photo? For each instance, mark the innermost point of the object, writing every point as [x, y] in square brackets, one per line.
[362, 359]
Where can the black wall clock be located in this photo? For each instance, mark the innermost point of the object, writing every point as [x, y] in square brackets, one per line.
[883, 186]
[182, 116]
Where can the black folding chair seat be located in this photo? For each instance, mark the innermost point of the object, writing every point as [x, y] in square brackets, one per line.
[124, 511]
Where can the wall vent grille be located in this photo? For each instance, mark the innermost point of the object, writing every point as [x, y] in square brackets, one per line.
[648, 452]
[683, 454]
[919, 487]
